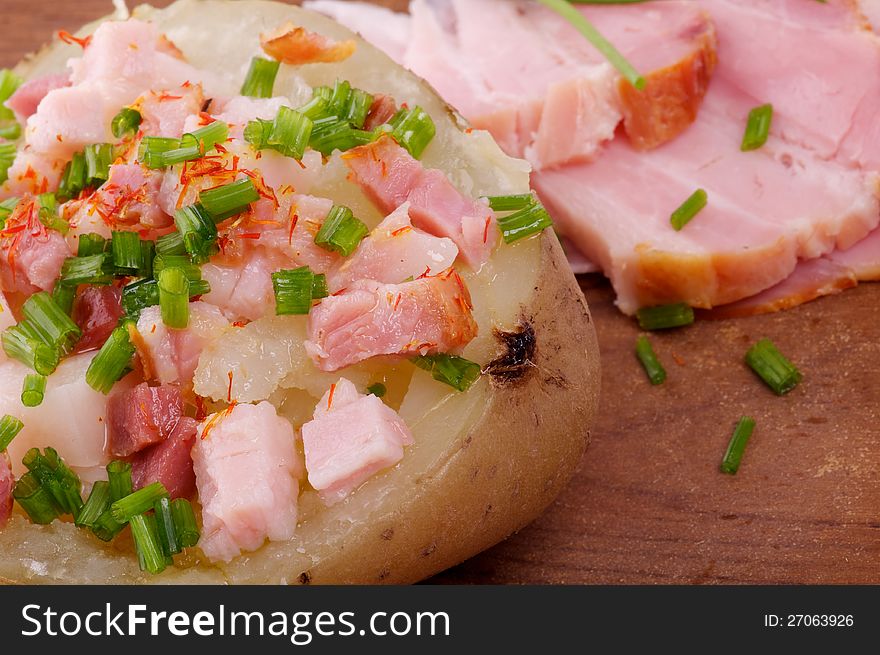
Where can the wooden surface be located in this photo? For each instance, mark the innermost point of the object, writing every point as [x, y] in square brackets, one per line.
[648, 504]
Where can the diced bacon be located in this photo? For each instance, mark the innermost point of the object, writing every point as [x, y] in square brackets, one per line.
[351, 438]
[30, 255]
[295, 45]
[169, 462]
[27, 97]
[390, 176]
[32, 173]
[7, 484]
[165, 112]
[96, 310]
[240, 110]
[425, 316]
[142, 416]
[393, 252]
[247, 473]
[244, 290]
[172, 355]
[381, 111]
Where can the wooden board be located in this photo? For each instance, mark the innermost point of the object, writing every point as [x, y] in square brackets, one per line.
[648, 504]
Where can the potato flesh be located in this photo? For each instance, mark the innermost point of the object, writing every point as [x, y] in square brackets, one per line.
[439, 417]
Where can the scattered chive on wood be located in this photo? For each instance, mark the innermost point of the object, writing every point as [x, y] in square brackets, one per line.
[665, 317]
[773, 367]
[757, 128]
[653, 368]
[689, 209]
[736, 447]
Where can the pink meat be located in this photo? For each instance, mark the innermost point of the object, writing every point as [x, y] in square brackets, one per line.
[96, 310]
[369, 319]
[7, 483]
[142, 416]
[364, 18]
[381, 111]
[165, 112]
[30, 255]
[390, 176]
[394, 252]
[169, 462]
[247, 473]
[27, 97]
[351, 438]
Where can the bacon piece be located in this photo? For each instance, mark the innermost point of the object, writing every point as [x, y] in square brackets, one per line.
[166, 112]
[294, 45]
[169, 461]
[96, 311]
[7, 482]
[390, 176]
[27, 97]
[142, 416]
[381, 111]
[351, 438]
[30, 255]
[427, 315]
[246, 469]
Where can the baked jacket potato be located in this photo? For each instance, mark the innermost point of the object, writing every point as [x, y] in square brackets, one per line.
[483, 463]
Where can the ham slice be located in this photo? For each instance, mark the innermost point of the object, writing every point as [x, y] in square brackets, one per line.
[7, 483]
[426, 316]
[96, 310]
[169, 462]
[247, 471]
[27, 97]
[351, 438]
[141, 417]
[31, 255]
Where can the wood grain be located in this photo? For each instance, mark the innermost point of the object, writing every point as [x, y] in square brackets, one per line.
[648, 504]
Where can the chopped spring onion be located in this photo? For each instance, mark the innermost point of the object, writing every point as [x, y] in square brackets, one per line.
[226, 201]
[582, 25]
[9, 83]
[139, 295]
[153, 150]
[773, 367]
[7, 157]
[318, 106]
[198, 231]
[73, 179]
[341, 232]
[21, 343]
[458, 372]
[174, 297]
[94, 269]
[185, 522]
[98, 156]
[138, 502]
[258, 132]
[337, 98]
[119, 475]
[757, 128]
[91, 244]
[291, 132]
[378, 389]
[665, 316]
[148, 254]
[534, 219]
[6, 208]
[33, 389]
[295, 290]
[50, 323]
[35, 499]
[106, 527]
[146, 542]
[54, 475]
[97, 503]
[413, 129]
[64, 296]
[161, 262]
[126, 122]
[9, 429]
[319, 287]
[167, 532]
[736, 447]
[359, 103]
[689, 209]
[112, 361]
[170, 244]
[126, 250]
[340, 136]
[260, 78]
[210, 135]
[511, 203]
[653, 368]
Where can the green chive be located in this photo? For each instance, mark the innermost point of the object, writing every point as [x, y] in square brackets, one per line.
[138, 502]
[260, 78]
[9, 127]
[112, 361]
[192, 272]
[73, 179]
[139, 295]
[35, 500]
[294, 291]
[228, 200]
[341, 232]
[167, 532]
[453, 370]
[9, 429]
[291, 132]
[106, 527]
[736, 447]
[7, 157]
[210, 135]
[258, 132]
[185, 525]
[99, 157]
[665, 317]
[773, 367]
[319, 287]
[340, 136]
[757, 128]
[93, 269]
[126, 123]
[689, 209]
[413, 129]
[33, 390]
[148, 254]
[6, 208]
[511, 203]
[62, 483]
[146, 542]
[378, 389]
[534, 219]
[174, 297]
[21, 343]
[573, 16]
[119, 475]
[198, 230]
[126, 250]
[50, 323]
[96, 505]
[170, 244]
[653, 368]
[91, 244]
[359, 103]
[64, 296]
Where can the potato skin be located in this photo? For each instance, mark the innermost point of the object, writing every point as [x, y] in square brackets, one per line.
[499, 476]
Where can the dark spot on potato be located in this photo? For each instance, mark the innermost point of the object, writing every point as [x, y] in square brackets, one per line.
[517, 358]
[384, 573]
[467, 442]
[305, 577]
[387, 534]
[487, 511]
[207, 104]
[427, 552]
